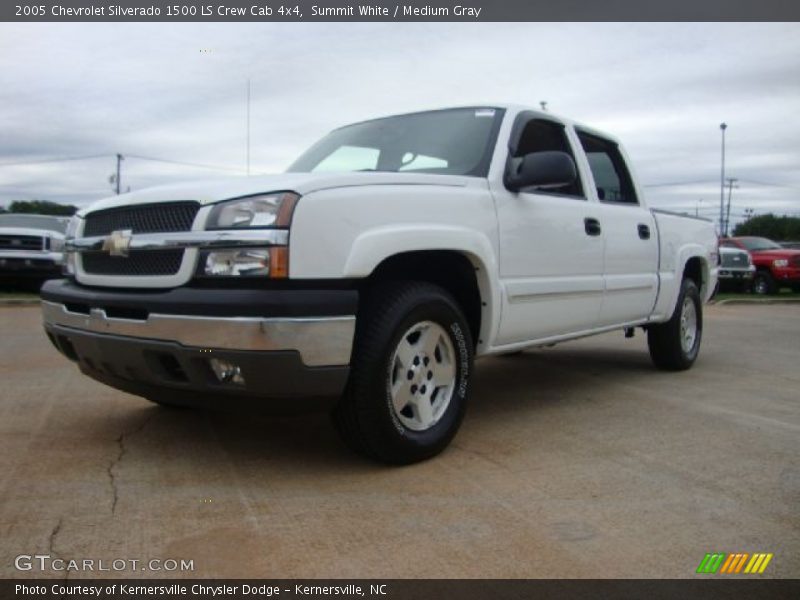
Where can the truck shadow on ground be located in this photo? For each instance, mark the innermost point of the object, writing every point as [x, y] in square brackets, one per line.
[505, 390]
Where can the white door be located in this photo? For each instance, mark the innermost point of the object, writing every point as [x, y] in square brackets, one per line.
[551, 252]
[631, 239]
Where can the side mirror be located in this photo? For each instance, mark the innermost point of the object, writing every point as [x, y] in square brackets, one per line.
[542, 170]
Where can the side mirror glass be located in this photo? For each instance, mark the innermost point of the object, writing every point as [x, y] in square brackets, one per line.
[541, 170]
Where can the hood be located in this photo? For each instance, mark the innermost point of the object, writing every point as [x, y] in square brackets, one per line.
[776, 253]
[215, 190]
[729, 250]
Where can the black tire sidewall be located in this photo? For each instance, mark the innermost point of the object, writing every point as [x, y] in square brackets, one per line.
[403, 444]
[689, 289]
[766, 278]
[664, 340]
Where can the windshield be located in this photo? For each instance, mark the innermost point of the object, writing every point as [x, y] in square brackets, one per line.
[34, 222]
[451, 142]
[757, 243]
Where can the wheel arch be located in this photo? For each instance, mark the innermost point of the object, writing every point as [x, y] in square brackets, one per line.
[454, 271]
[394, 250]
[692, 264]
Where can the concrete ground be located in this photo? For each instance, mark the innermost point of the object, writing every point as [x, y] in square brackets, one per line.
[576, 461]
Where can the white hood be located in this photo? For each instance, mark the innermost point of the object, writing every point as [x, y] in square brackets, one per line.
[214, 190]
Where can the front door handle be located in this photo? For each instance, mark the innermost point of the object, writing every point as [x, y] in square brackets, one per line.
[592, 226]
[644, 231]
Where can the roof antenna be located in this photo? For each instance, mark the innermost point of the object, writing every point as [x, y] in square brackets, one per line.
[248, 126]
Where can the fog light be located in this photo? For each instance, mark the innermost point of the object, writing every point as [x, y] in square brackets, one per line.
[237, 263]
[68, 266]
[226, 372]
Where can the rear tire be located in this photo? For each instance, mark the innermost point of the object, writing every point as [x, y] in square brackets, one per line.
[412, 359]
[674, 345]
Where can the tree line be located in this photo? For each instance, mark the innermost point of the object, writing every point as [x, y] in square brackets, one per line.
[781, 229]
[40, 207]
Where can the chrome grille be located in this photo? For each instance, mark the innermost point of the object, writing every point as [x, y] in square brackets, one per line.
[734, 259]
[143, 262]
[21, 242]
[146, 218]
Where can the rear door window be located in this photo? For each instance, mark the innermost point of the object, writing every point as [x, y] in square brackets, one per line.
[611, 176]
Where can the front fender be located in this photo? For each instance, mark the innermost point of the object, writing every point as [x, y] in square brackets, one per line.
[374, 246]
[671, 276]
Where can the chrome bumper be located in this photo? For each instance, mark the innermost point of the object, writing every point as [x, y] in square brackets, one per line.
[320, 341]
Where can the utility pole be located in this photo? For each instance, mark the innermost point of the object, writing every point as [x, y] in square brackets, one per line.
[723, 127]
[117, 182]
[697, 207]
[731, 182]
[543, 104]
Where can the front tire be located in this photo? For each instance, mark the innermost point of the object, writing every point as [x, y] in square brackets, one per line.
[412, 359]
[764, 284]
[674, 345]
[167, 403]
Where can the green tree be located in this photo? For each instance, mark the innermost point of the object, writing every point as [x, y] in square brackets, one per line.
[782, 228]
[42, 207]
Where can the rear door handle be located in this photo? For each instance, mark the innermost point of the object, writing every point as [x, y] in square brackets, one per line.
[644, 231]
[592, 226]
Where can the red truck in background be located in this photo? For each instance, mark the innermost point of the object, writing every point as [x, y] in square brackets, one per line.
[776, 266]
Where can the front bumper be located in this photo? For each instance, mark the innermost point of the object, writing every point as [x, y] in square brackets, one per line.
[786, 275]
[29, 264]
[736, 274]
[287, 344]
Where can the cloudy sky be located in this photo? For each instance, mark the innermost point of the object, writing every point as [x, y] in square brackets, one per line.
[177, 93]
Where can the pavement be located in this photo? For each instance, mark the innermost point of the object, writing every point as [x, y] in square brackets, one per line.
[575, 461]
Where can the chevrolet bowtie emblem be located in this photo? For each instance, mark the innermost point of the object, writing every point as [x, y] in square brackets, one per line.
[118, 243]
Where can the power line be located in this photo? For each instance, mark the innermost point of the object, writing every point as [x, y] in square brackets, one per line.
[676, 183]
[753, 181]
[781, 185]
[53, 160]
[139, 156]
[184, 163]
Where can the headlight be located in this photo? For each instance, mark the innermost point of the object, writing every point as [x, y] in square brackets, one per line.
[781, 262]
[72, 227]
[56, 244]
[68, 264]
[261, 211]
[237, 262]
[246, 262]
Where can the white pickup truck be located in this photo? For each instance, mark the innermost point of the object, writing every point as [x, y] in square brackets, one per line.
[372, 273]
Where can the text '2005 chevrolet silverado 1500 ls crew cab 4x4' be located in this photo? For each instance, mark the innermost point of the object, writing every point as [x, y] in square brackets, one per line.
[372, 272]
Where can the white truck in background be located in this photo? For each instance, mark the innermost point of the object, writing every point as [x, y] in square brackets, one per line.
[31, 248]
[372, 273]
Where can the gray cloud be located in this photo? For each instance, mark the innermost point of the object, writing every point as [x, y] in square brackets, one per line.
[147, 89]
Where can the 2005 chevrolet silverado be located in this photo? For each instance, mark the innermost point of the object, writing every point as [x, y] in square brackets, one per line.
[373, 272]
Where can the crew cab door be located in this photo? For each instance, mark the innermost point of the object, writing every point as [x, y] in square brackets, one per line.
[550, 246]
[629, 229]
